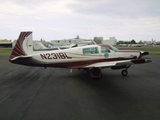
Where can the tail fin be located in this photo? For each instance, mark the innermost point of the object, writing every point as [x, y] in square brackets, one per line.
[23, 46]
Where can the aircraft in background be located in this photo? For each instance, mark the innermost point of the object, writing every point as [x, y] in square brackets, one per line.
[91, 58]
[38, 46]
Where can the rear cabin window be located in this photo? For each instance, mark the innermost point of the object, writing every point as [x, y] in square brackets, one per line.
[104, 49]
[91, 50]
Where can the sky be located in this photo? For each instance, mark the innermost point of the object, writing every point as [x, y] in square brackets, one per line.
[64, 19]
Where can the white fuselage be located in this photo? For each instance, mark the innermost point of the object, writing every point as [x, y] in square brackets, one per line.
[77, 54]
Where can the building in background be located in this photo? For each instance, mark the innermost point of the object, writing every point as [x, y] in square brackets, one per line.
[71, 41]
[79, 41]
[98, 40]
[111, 41]
[5, 43]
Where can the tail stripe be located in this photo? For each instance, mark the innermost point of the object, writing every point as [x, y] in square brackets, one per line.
[18, 49]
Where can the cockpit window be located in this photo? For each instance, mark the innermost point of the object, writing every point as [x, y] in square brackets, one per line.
[115, 49]
[104, 49]
[91, 50]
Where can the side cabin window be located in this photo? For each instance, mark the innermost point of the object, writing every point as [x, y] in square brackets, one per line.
[90, 50]
[104, 49]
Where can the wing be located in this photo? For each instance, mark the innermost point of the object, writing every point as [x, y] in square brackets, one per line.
[119, 63]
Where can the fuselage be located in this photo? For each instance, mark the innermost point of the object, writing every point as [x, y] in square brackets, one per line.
[77, 57]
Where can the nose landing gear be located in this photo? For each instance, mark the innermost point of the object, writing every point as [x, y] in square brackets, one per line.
[125, 72]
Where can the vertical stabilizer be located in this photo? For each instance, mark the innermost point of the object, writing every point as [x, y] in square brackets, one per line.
[23, 46]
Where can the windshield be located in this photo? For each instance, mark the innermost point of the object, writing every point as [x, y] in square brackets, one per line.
[115, 49]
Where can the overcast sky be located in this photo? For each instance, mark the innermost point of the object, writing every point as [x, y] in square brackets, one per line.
[60, 19]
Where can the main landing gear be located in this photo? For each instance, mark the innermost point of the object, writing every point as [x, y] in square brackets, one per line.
[95, 73]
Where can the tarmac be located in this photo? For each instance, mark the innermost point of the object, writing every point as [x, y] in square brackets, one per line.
[34, 93]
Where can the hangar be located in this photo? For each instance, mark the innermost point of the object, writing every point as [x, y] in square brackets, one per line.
[5, 43]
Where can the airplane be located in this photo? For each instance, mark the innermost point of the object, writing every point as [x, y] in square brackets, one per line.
[91, 58]
[38, 46]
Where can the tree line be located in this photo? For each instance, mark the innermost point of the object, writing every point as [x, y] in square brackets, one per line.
[129, 42]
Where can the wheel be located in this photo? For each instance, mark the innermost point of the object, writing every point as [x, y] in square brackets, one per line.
[124, 72]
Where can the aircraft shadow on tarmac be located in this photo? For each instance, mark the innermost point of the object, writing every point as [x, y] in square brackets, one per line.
[112, 84]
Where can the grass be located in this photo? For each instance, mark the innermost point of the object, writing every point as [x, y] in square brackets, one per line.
[151, 50]
[5, 51]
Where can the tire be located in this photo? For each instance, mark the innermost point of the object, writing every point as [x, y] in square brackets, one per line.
[124, 72]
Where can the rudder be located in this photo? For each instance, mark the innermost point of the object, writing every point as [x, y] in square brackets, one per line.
[23, 46]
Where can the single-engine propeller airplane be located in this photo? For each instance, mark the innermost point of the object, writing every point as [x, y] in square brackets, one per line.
[91, 58]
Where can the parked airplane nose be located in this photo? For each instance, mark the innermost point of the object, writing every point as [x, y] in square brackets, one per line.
[143, 53]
